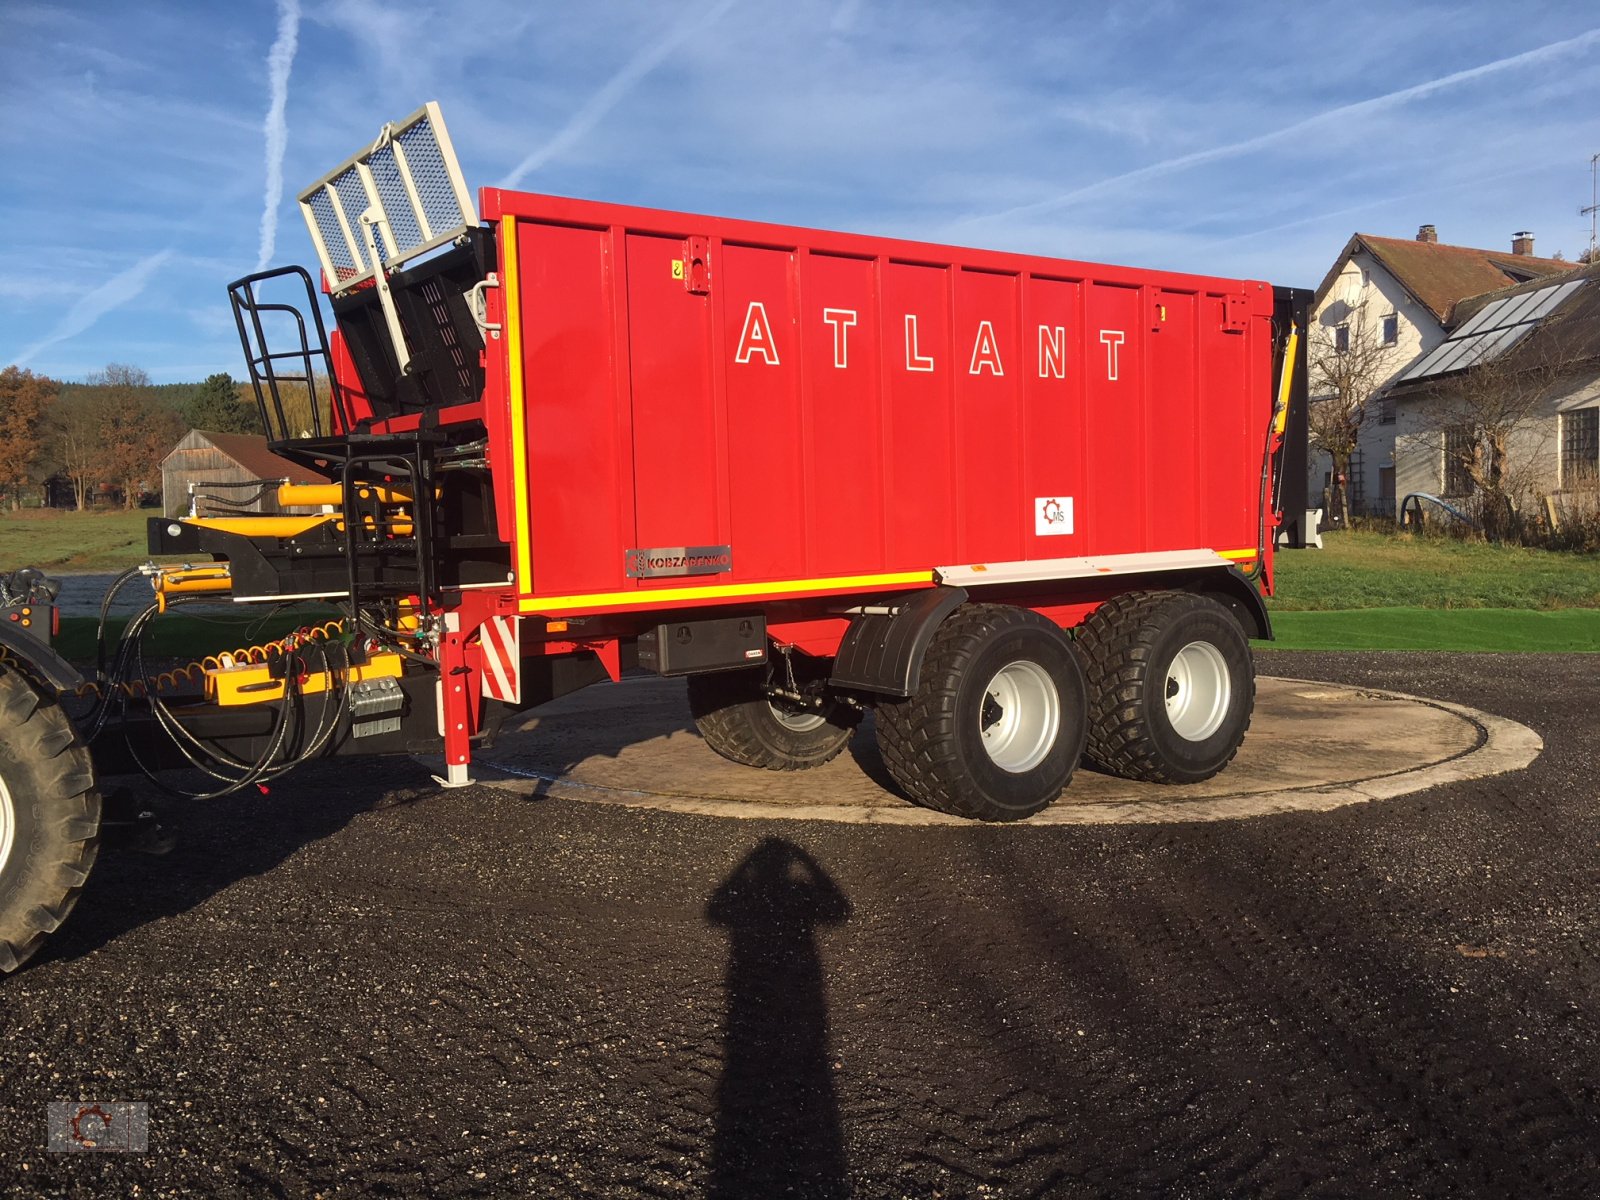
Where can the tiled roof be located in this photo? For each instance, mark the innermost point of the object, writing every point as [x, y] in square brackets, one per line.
[250, 451]
[1440, 276]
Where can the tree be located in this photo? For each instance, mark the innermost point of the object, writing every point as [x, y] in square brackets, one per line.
[76, 433]
[23, 399]
[1348, 364]
[139, 430]
[1487, 418]
[217, 408]
[115, 430]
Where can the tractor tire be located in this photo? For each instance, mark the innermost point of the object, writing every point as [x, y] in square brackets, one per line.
[1171, 686]
[740, 722]
[996, 724]
[49, 818]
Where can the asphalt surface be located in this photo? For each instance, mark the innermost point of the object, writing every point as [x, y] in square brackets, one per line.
[82, 595]
[360, 985]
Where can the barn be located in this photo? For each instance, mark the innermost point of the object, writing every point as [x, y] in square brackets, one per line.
[226, 472]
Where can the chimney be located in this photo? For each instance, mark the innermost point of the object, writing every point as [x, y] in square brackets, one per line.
[1427, 234]
[1522, 243]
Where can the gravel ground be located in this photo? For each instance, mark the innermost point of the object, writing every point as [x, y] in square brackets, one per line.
[361, 985]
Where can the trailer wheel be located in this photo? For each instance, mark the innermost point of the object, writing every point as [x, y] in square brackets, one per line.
[996, 725]
[740, 722]
[1171, 686]
[49, 818]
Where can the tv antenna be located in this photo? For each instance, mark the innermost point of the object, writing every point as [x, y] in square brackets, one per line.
[1594, 201]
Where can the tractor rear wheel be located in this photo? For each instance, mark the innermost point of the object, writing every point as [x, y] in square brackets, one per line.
[49, 818]
[743, 724]
[1171, 686]
[996, 724]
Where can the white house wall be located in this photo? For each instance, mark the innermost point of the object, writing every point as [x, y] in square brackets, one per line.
[1364, 278]
[1535, 449]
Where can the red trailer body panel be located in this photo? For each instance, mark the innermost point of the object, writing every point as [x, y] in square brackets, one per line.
[841, 413]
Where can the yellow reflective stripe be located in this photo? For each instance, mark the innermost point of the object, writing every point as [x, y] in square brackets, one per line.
[511, 285]
[554, 604]
[1237, 553]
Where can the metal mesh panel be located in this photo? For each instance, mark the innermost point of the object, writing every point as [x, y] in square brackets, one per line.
[396, 203]
[411, 177]
[431, 174]
[353, 196]
[344, 265]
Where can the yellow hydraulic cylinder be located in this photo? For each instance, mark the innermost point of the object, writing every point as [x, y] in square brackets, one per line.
[191, 581]
[1280, 417]
[318, 495]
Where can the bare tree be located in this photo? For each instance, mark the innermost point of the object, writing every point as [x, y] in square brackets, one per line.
[1348, 364]
[1489, 417]
[76, 437]
[113, 432]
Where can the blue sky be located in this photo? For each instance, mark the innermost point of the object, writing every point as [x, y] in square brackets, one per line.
[141, 141]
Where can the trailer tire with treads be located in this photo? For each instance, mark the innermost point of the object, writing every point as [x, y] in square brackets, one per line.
[738, 720]
[49, 818]
[996, 724]
[1171, 686]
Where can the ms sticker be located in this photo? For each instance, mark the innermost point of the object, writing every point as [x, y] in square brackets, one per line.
[1052, 515]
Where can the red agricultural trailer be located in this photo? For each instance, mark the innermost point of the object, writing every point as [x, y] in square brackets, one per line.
[1022, 509]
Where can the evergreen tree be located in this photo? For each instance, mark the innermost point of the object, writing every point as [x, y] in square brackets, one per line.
[216, 408]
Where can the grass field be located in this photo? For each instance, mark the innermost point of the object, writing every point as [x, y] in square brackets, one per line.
[53, 540]
[1506, 630]
[1373, 591]
[183, 636]
[1374, 570]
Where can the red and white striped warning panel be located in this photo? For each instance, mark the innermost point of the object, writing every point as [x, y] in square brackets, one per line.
[501, 640]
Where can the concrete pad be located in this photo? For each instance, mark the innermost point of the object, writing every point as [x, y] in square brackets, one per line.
[1312, 746]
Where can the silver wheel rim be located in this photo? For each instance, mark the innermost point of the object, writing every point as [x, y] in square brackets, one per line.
[1020, 716]
[797, 720]
[8, 824]
[1199, 690]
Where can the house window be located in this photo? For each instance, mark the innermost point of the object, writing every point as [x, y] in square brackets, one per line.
[1580, 441]
[1341, 339]
[1391, 329]
[1459, 444]
[1385, 410]
[1357, 485]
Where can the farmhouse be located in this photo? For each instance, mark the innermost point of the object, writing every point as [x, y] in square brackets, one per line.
[1405, 295]
[1514, 388]
[219, 473]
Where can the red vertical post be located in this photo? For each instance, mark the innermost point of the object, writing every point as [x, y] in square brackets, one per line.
[458, 706]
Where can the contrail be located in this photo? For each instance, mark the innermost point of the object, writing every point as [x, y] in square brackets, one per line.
[1359, 108]
[279, 59]
[113, 293]
[609, 96]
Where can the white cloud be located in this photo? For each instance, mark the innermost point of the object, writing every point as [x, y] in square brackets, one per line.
[615, 90]
[96, 303]
[279, 61]
[1342, 113]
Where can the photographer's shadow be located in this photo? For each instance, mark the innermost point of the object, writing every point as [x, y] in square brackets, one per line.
[777, 1122]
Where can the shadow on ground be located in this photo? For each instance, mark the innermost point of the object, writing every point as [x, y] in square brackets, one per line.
[219, 842]
[778, 1130]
